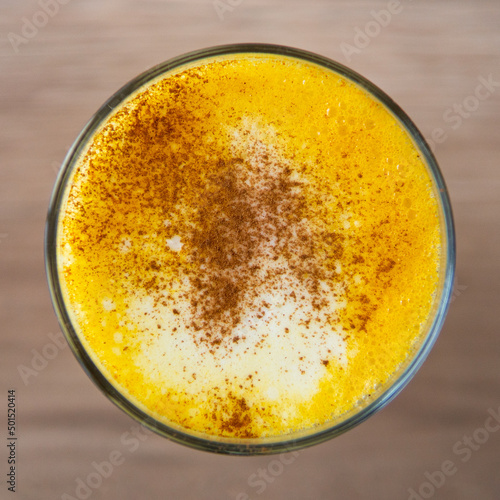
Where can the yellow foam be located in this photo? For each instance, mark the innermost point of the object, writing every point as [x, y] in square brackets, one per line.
[136, 191]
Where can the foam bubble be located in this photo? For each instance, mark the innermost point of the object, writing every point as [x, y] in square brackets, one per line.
[108, 305]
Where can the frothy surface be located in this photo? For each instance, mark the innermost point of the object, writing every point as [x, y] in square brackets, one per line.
[250, 247]
[261, 295]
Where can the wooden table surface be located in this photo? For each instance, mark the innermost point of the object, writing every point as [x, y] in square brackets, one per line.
[439, 60]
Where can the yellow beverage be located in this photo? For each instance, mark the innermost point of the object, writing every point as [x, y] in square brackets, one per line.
[250, 246]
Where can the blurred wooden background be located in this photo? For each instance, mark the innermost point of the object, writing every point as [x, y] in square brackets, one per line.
[58, 65]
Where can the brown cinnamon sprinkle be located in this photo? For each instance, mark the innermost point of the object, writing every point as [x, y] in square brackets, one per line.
[251, 212]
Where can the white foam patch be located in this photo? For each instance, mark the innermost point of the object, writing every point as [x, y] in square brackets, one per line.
[175, 243]
[278, 344]
[66, 255]
[125, 245]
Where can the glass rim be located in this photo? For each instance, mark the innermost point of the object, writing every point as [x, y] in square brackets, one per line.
[296, 440]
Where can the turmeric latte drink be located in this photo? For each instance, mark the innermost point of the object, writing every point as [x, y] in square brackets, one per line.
[249, 246]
